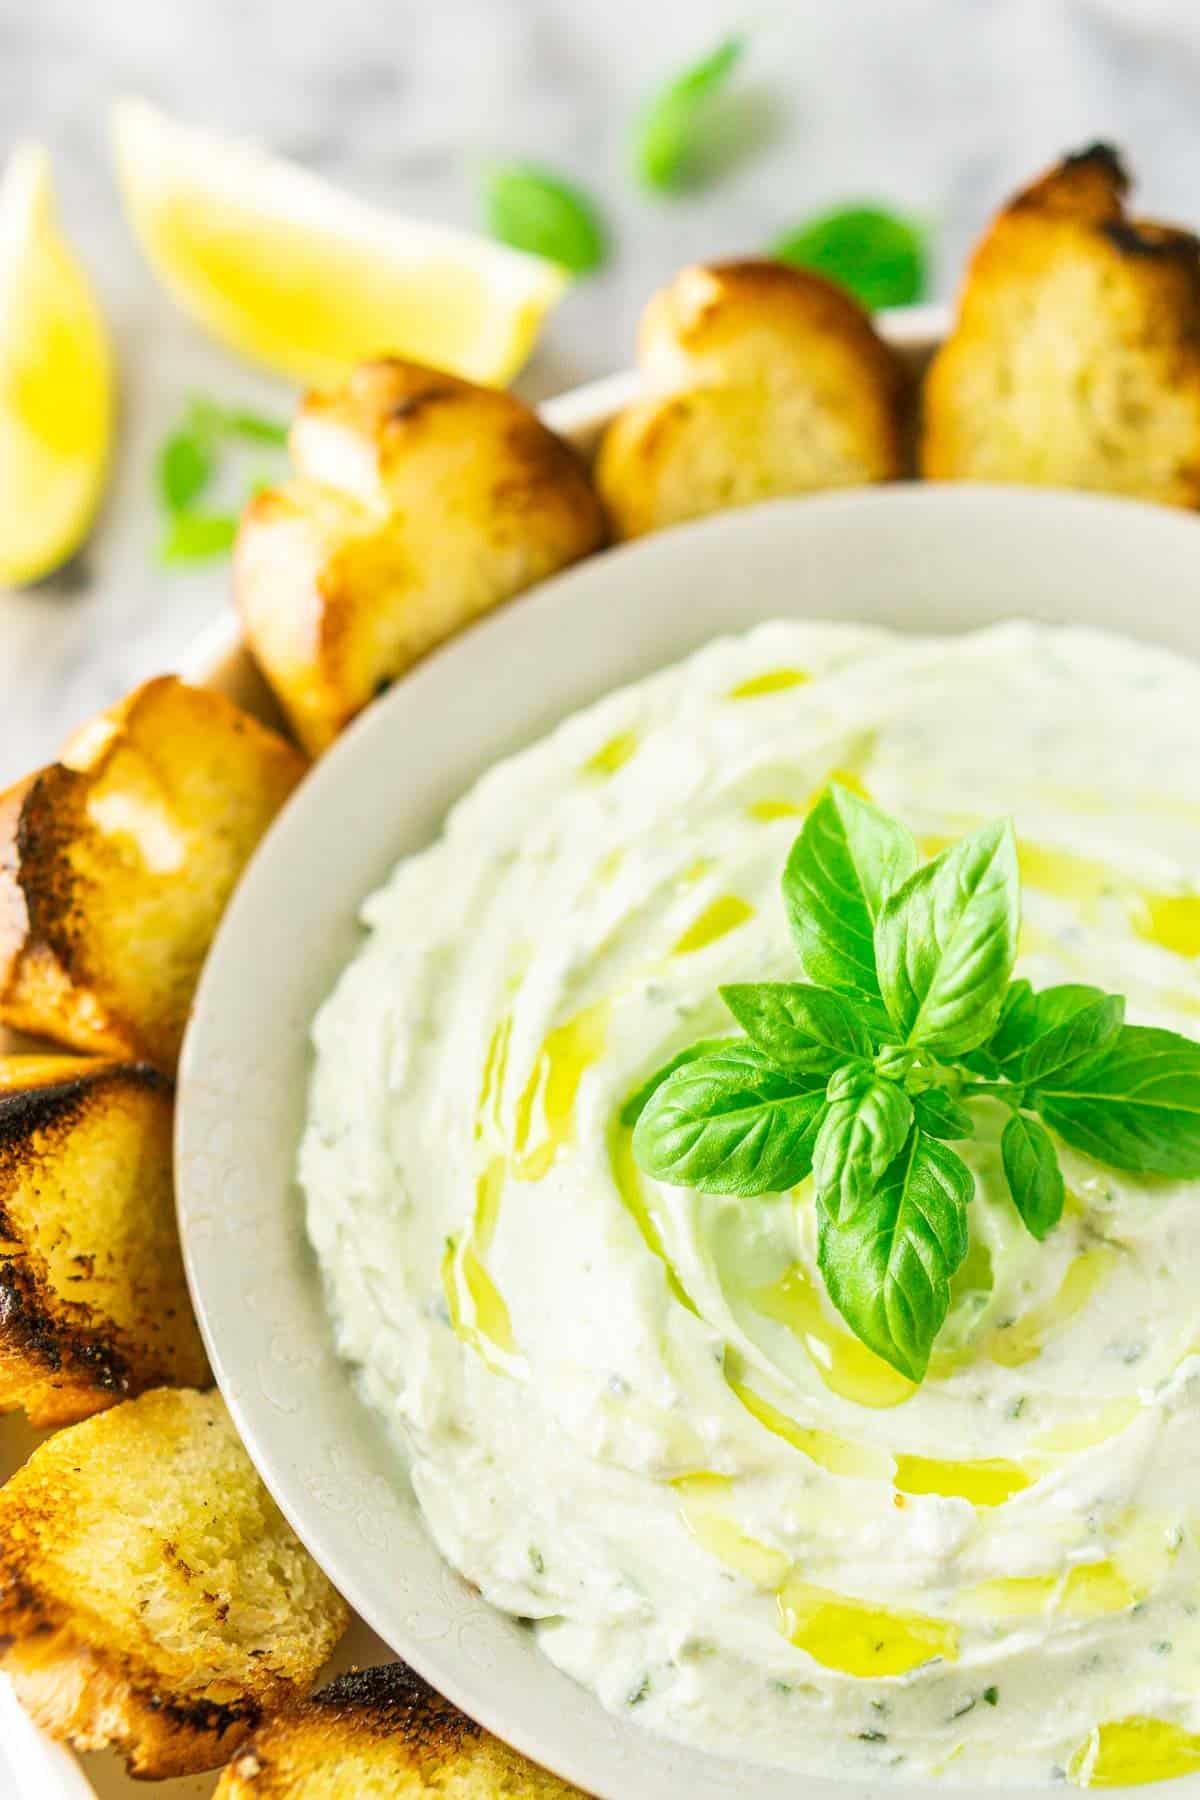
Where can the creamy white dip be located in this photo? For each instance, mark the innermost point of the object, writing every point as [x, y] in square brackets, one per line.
[630, 1413]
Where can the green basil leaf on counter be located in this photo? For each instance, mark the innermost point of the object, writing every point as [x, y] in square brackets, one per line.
[800, 1027]
[186, 465]
[865, 1125]
[1135, 1104]
[888, 1266]
[879, 256]
[730, 1123]
[195, 536]
[668, 131]
[946, 942]
[1033, 1175]
[535, 211]
[845, 861]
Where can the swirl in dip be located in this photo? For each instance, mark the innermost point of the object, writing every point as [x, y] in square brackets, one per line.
[630, 1412]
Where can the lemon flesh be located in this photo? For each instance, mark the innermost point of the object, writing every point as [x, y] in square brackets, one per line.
[288, 270]
[56, 382]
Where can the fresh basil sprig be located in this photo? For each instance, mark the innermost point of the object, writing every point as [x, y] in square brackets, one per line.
[864, 1076]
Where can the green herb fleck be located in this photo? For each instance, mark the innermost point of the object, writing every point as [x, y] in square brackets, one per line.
[538, 212]
[671, 128]
[877, 255]
[638, 1694]
[991, 1696]
[537, 1561]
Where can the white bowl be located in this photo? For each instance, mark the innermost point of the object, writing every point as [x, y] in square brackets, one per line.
[921, 558]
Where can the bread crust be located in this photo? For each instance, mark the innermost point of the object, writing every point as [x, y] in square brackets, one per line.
[1075, 357]
[152, 1598]
[381, 1732]
[117, 861]
[93, 1301]
[420, 501]
[763, 380]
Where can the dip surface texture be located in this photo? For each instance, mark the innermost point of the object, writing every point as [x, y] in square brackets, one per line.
[630, 1412]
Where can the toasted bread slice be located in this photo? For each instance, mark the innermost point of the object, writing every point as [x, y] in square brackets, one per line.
[1075, 358]
[420, 501]
[117, 861]
[763, 380]
[152, 1597]
[93, 1302]
[382, 1734]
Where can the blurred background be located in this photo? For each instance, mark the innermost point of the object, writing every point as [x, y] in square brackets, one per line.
[934, 108]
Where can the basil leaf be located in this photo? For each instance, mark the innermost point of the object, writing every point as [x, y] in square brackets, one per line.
[535, 211]
[1026, 1015]
[846, 860]
[1135, 1104]
[1088, 1029]
[946, 942]
[1034, 1177]
[668, 132]
[888, 1266]
[865, 1125]
[877, 255]
[186, 465]
[633, 1108]
[800, 1027]
[196, 536]
[729, 1123]
[939, 1114]
[252, 426]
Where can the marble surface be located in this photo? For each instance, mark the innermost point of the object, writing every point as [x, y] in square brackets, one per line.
[937, 105]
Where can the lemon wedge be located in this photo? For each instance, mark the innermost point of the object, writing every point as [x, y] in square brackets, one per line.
[286, 268]
[56, 384]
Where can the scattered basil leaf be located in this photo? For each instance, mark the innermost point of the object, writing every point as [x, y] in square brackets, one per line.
[865, 1125]
[942, 1116]
[888, 1266]
[946, 941]
[847, 858]
[1083, 1032]
[633, 1108]
[730, 1123]
[186, 464]
[195, 536]
[237, 422]
[667, 134]
[800, 1027]
[535, 211]
[1033, 1175]
[1135, 1104]
[879, 256]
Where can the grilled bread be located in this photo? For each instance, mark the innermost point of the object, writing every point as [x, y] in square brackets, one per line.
[382, 1734]
[93, 1302]
[419, 502]
[763, 380]
[117, 861]
[152, 1597]
[1075, 358]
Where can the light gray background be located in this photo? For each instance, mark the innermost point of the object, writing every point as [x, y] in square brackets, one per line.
[936, 105]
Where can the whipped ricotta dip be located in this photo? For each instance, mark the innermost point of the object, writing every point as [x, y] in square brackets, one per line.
[630, 1412]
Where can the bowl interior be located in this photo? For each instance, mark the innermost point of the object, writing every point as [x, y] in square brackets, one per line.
[918, 558]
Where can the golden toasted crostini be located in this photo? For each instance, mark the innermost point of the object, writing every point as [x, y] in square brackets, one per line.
[93, 1302]
[420, 501]
[763, 380]
[382, 1734]
[1075, 358]
[153, 1599]
[117, 861]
